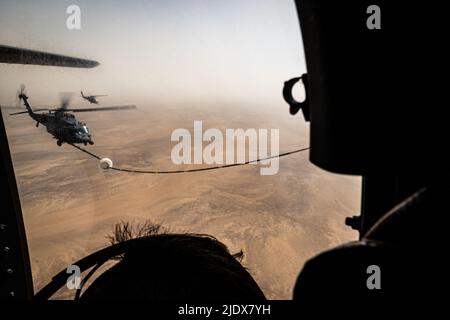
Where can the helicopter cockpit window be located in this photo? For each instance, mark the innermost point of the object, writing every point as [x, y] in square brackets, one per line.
[181, 85]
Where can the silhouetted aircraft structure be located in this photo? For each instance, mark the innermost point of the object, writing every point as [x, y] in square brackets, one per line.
[15, 55]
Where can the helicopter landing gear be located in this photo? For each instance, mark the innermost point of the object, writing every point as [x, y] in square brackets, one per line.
[85, 143]
[91, 142]
[37, 124]
[59, 143]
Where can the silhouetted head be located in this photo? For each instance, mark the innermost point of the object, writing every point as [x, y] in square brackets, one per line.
[176, 267]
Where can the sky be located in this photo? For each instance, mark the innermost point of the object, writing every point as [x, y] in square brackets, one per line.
[166, 52]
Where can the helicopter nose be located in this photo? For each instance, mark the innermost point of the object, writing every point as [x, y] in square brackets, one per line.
[84, 137]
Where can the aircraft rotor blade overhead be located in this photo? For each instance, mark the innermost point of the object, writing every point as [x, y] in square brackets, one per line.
[26, 56]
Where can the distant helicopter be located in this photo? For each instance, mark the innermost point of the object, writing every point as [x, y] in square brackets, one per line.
[61, 124]
[92, 98]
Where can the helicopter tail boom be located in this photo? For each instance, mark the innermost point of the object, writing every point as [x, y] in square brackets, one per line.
[27, 105]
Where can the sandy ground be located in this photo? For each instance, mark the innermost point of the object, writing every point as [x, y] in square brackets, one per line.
[279, 221]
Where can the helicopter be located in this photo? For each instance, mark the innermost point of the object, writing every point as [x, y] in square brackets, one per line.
[92, 98]
[61, 123]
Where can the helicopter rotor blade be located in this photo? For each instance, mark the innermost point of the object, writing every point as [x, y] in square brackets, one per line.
[19, 95]
[21, 112]
[17, 55]
[65, 98]
[13, 114]
[115, 108]
[21, 91]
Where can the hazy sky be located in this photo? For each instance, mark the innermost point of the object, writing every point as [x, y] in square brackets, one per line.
[204, 52]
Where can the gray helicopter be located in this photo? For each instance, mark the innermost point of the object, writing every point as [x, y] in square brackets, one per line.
[92, 98]
[61, 123]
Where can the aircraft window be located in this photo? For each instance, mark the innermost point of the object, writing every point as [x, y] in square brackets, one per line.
[186, 65]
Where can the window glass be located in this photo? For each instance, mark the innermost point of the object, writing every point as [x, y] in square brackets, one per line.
[185, 64]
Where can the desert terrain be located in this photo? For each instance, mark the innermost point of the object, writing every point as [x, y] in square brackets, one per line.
[70, 205]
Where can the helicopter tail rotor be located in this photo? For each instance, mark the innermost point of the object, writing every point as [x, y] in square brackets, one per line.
[20, 95]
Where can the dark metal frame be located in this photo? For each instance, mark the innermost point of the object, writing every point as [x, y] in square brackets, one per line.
[15, 270]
